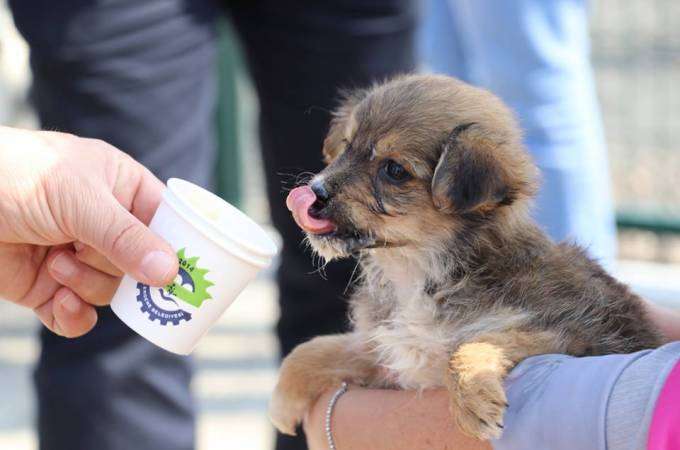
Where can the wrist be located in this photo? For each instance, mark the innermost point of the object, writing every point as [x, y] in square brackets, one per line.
[328, 422]
[315, 420]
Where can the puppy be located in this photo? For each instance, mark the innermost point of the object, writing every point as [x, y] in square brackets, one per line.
[429, 186]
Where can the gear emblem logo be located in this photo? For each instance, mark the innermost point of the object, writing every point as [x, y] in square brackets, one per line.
[178, 300]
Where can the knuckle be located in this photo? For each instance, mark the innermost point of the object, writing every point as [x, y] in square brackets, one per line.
[98, 291]
[82, 284]
[123, 237]
[95, 143]
[98, 296]
[92, 258]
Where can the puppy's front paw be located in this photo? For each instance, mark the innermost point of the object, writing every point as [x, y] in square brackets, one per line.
[478, 405]
[286, 410]
[309, 370]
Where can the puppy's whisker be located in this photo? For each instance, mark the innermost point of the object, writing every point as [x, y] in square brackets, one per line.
[293, 180]
[318, 108]
[349, 282]
[303, 178]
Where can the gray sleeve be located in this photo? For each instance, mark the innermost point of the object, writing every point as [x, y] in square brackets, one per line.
[558, 402]
[632, 400]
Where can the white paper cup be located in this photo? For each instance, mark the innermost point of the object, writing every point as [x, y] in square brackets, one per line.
[220, 249]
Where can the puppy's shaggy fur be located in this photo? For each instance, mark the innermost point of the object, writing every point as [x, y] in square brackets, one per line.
[428, 184]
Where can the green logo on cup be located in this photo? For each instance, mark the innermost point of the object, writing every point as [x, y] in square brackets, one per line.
[193, 276]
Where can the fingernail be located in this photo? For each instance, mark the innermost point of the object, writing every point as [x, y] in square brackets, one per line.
[159, 266]
[63, 266]
[70, 303]
[78, 246]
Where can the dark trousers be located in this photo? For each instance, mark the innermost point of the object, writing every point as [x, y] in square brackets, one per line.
[141, 74]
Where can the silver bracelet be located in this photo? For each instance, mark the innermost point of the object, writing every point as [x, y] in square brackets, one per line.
[329, 414]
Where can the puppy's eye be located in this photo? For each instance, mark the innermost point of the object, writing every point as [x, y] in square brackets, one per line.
[395, 172]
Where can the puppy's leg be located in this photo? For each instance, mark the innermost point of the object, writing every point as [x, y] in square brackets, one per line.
[310, 369]
[476, 373]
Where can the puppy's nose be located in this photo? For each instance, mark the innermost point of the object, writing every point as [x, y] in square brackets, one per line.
[320, 191]
[318, 208]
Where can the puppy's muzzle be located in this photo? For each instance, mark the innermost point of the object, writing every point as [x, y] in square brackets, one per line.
[308, 211]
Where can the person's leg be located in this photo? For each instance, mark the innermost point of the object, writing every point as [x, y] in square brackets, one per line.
[140, 75]
[534, 54]
[299, 54]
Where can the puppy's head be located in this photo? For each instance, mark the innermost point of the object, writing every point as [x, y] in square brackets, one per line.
[411, 163]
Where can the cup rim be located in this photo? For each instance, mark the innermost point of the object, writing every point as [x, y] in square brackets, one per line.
[259, 255]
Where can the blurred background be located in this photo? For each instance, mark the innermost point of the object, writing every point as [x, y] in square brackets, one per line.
[636, 54]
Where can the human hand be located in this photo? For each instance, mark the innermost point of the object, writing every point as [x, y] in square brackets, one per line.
[72, 220]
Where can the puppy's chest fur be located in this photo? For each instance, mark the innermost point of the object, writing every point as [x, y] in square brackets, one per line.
[411, 329]
[407, 336]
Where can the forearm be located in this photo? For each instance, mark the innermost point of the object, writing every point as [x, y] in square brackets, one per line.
[610, 401]
[389, 420]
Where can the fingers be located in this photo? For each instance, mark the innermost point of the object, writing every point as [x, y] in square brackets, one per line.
[148, 196]
[89, 284]
[19, 269]
[130, 245]
[93, 258]
[135, 187]
[66, 314]
[57, 307]
[97, 213]
[43, 286]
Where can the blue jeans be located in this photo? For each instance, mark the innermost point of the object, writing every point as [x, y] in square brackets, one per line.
[534, 54]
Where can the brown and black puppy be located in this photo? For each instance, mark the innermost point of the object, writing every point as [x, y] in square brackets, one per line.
[428, 184]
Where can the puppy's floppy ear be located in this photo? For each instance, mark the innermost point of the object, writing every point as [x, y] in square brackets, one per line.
[468, 176]
[335, 142]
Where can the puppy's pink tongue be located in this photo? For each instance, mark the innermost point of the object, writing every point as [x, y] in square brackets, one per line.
[298, 202]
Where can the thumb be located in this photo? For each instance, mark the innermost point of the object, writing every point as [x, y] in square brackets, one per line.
[132, 246]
